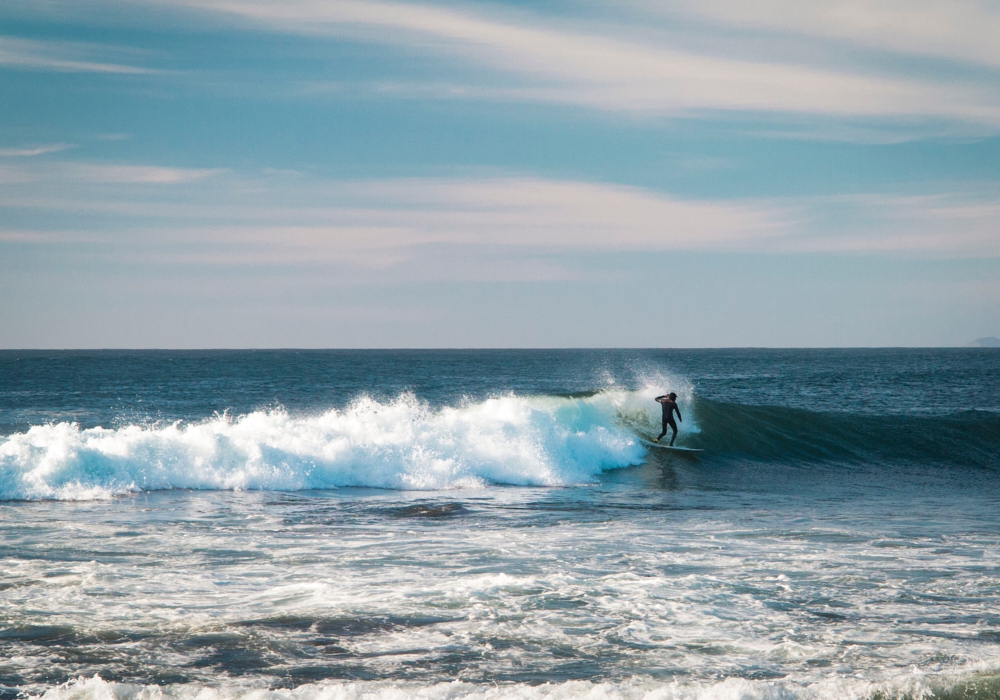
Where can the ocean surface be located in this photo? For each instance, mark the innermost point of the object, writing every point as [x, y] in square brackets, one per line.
[317, 525]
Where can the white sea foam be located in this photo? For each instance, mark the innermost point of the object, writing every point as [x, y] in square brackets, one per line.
[402, 444]
[913, 685]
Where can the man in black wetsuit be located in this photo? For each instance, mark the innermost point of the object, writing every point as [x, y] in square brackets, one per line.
[669, 404]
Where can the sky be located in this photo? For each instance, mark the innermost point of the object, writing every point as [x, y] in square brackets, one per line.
[352, 174]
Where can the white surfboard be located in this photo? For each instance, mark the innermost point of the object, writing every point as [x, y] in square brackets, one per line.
[665, 446]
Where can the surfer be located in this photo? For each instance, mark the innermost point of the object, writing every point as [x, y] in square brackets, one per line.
[669, 404]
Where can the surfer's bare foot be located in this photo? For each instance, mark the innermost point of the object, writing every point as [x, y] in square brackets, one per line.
[656, 439]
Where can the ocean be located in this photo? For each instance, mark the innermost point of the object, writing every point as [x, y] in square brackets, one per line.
[323, 525]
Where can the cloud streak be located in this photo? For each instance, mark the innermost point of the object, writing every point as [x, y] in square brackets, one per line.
[131, 174]
[379, 221]
[29, 151]
[221, 217]
[949, 225]
[58, 56]
[637, 63]
[558, 65]
[958, 30]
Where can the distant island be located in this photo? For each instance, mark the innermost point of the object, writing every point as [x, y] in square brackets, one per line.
[991, 342]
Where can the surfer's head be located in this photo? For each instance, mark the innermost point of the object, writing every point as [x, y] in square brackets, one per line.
[672, 395]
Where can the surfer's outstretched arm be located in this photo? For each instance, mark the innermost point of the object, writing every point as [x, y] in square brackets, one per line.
[678, 409]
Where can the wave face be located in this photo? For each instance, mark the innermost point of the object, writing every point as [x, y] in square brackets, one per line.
[400, 444]
[774, 433]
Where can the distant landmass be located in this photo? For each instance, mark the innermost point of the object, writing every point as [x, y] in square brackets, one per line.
[991, 342]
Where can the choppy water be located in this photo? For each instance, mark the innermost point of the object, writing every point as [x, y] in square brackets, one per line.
[319, 525]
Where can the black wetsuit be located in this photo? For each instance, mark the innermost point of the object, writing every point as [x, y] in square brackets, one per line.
[669, 406]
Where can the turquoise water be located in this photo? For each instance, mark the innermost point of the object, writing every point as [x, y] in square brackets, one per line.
[486, 524]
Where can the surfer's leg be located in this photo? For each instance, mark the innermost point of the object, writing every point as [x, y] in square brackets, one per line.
[665, 424]
[673, 426]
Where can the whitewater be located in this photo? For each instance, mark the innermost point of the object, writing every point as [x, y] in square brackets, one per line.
[401, 444]
[461, 524]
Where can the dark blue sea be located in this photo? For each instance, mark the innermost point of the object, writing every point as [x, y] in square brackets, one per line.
[327, 525]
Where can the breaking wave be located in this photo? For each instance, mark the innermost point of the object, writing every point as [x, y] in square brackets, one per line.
[513, 440]
[400, 444]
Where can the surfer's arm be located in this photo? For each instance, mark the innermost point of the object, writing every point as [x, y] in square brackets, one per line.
[660, 399]
[677, 408]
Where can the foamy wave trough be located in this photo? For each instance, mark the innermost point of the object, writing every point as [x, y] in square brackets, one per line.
[403, 444]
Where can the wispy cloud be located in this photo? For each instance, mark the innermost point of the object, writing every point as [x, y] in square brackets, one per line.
[59, 56]
[637, 64]
[959, 30]
[11, 175]
[222, 217]
[604, 71]
[47, 237]
[62, 173]
[28, 151]
[381, 220]
[940, 225]
[131, 174]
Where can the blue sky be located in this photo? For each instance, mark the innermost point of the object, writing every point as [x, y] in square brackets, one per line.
[242, 173]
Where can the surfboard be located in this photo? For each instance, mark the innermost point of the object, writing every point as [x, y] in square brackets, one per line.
[674, 448]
